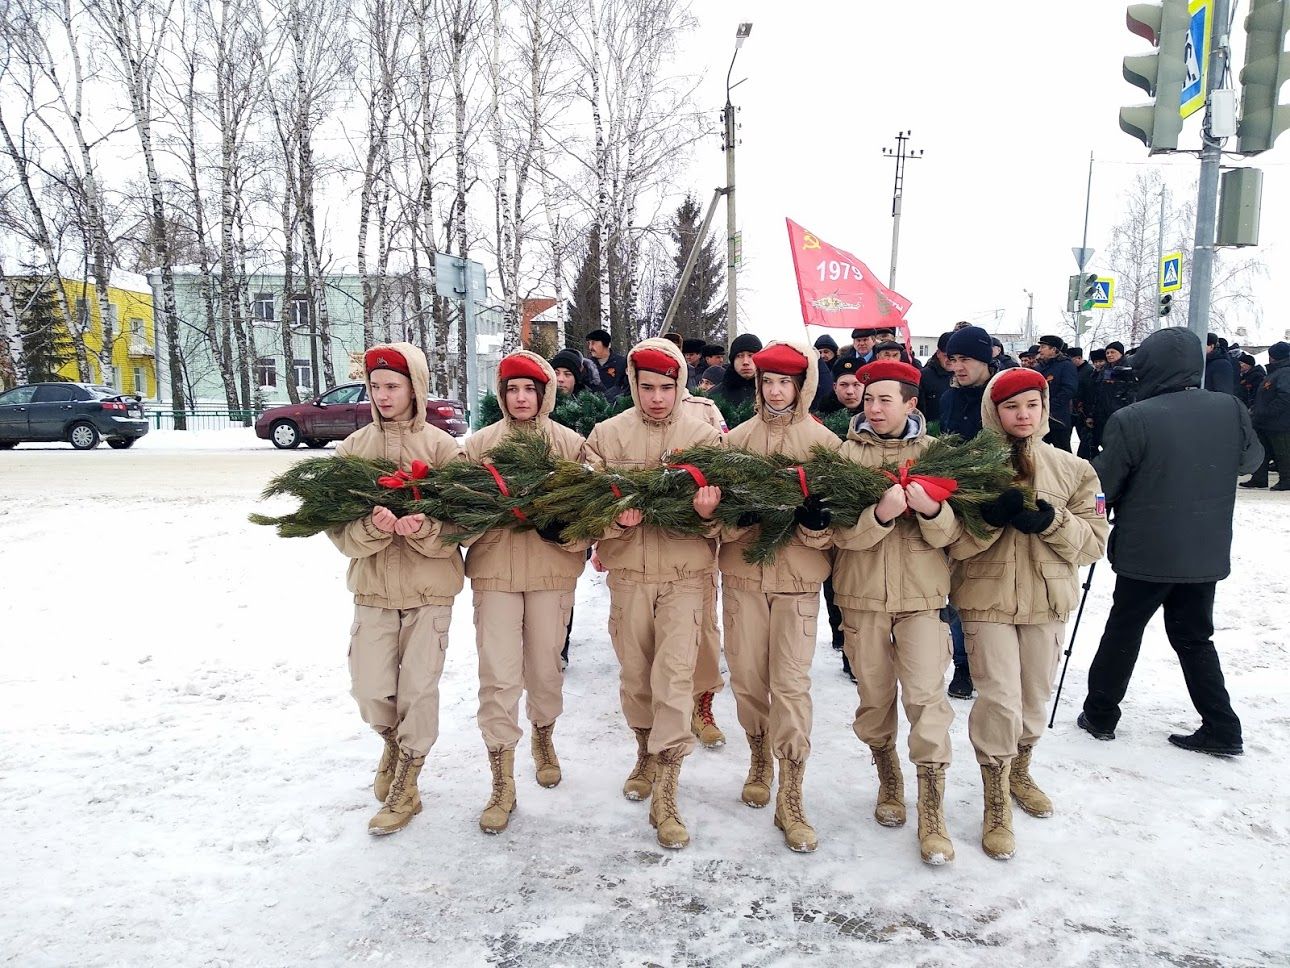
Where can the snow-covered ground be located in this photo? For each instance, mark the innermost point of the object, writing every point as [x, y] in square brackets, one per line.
[184, 779]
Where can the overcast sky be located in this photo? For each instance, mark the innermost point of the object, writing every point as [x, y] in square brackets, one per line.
[1007, 99]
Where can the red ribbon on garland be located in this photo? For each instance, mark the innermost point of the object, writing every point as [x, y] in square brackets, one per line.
[937, 488]
[505, 491]
[694, 472]
[401, 479]
[801, 480]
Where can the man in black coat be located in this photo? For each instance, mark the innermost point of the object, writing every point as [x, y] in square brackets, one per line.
[1249, 380]
[1063, 387]
[1172, 536]
[1220, 371]
[936, 380]
[1271, 417]
[612, 367]
[739, 385]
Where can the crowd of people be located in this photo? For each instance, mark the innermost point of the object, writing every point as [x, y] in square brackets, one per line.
[909, 592]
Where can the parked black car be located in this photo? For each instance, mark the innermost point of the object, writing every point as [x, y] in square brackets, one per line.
[79, 413]
[337, 413]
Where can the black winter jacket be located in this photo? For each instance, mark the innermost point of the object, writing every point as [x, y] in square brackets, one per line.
[1220, 371]
[961, 411]
[1249, 383]
[1272, 404]
[1170, 465]
[1063, 386]
[734, 389]
[931, 390]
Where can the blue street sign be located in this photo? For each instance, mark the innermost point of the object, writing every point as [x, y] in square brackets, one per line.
[1196, 57]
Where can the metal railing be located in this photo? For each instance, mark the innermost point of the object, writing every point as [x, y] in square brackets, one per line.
[202, 418]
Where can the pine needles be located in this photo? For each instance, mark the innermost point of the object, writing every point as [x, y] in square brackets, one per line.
[332, 491]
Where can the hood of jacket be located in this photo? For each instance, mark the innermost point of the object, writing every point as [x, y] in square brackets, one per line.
[862, 433]
[419, 372]
[1168, 359]
[668, 347]
[990, 413]
[811, 383]
[548, 395]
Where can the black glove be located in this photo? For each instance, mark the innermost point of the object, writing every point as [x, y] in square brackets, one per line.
[552, 531]
[812, 515]
[1003, 508]
[1033, 522]
[747, 519]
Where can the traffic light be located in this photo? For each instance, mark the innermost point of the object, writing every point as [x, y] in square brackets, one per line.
[1087, 292]
[1166, 304]
[1267, 67]
[1161, 75]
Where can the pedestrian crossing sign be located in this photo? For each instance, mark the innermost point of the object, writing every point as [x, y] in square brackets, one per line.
[1171, 272]
[1104, 293]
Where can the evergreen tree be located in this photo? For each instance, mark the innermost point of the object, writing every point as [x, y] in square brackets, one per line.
[702, 311]
[584, 306]
[46, 345]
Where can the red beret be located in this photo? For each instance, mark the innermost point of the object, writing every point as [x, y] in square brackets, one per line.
[889, 370]
[1017, 379]
[656, 361]
[781, 358]
[384, 358]
[521, 366]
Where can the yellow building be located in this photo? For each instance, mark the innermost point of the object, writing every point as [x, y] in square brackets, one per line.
[134, 335]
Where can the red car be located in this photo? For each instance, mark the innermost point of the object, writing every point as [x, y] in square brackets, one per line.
[337, 413]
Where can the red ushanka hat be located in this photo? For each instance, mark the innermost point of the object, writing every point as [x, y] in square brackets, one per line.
[384, 358]
[656, 361]
[781, 358]
[1017, 379]
[521, 366]
[889, 370]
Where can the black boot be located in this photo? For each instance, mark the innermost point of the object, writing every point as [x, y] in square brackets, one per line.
[1082, 721]
[1202, 741]
[1255, 482]
[961, 684]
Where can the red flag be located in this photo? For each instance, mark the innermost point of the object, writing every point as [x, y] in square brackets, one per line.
[838, 290]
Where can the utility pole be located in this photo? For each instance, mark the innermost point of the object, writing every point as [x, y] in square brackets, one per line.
[901, 156]
[728, 146]
[1083, 254]
[1030, 317]
[1211, 155]
[1160, 254]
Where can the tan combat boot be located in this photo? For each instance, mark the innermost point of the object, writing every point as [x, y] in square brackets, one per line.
[663, 814]
[996, 828]
[761, 773]
[1024, 789]
[790, 815]
[544, 758]
[385, 768]
[890, 807]
[640, 781]
[933, 839]
[403, 802]
[497, 812]
[703, 725]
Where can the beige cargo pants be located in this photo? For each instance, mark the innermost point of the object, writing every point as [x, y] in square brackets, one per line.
[770, 643]
[395, 661]
[707, 667]
[911, 650]
[1013, 668]
[654, 628]
[519, 636]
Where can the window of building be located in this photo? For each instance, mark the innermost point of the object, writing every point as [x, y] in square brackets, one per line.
[141, 381]
[136, 326]
[118, 382]
[262, 307]
[82, 316]
[266, 371]
[304, 373]
[300, 314]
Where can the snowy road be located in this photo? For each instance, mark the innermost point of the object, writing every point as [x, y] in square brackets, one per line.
[185, 781]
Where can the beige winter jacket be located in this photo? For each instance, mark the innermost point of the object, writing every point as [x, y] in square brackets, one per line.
[633, 441]
[388, 570]
[803, 563]
[1029, 579]
[704, 409]
[900, 566]
[510, 560]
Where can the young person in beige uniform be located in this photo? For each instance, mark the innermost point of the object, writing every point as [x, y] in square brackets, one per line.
[523, 582]
[1015, 589]
[657, 581]
[891, 576]
[771, 610]
[707, 668]
[404, 579]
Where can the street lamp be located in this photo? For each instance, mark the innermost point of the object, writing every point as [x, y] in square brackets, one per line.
[728, 115]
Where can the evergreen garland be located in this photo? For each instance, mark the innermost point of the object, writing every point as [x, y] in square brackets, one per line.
[839, 421]
[332, 491]
[983, 468]
[468, 495]
[584, 410]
